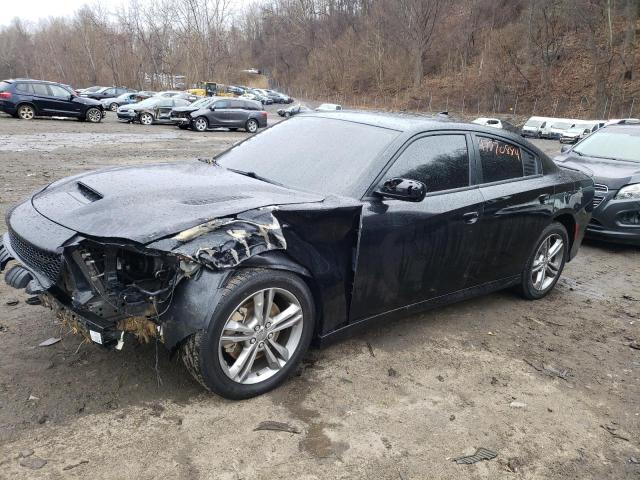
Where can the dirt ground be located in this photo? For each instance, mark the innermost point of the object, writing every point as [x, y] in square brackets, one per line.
[551, 386]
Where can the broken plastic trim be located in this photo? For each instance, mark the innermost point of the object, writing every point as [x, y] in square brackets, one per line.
[226, 242]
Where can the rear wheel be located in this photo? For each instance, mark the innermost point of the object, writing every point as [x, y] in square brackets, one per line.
[26, 112]
[113, 107]
[258, 334]
[94, 115]
[546, 262]
[200, 124]
[251, 126]
[146, 119]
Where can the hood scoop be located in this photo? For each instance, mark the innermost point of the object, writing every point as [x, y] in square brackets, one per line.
[89, 193]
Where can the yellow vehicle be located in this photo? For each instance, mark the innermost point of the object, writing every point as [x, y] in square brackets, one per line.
[210, 89]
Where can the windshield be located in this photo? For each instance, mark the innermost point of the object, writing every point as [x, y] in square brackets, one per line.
[149, 102]
[533, 123]
[580, 126]
[561, 125]
[617, 143]
[323, 155]
[202, 103]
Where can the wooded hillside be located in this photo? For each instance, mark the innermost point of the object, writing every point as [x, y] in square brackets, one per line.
[571, 57]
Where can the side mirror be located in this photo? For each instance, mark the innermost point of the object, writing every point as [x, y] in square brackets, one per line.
[565, 149]
[403, 189]
[212, 108]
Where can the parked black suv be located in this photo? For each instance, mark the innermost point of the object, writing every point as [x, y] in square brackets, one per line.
[27, 99]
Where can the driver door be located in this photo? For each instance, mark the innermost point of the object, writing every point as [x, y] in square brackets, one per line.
[410, 252]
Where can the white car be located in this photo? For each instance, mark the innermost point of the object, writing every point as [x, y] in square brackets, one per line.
[329, 107]
[489, 122]
[622, 121]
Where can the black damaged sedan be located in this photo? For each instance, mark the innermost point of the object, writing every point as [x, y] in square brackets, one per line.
[306, 231]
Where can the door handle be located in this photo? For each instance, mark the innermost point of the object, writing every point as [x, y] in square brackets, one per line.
[544, 197]
[471, 217]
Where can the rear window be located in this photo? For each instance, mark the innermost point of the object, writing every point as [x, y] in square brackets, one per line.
[505, 161]
[24, 88]
[4, 86]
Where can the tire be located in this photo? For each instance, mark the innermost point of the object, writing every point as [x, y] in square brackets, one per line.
[545, 265]
[94, 115]
[113, 107]
[217, 367]
[251, 126]
[287, 114]
[26, 112]
[146, 119]
[200, 124]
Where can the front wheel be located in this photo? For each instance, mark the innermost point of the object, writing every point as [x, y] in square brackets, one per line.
[94, 115]
[113, 107]
[200, 124]
[146, 119]
[251, 126]
[259, 332]
[546, 262]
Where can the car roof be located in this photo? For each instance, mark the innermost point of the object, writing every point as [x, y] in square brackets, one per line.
[622, 127]
[31, 80]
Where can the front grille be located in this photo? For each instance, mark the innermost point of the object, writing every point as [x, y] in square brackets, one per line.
[42, 261]
[600, 193]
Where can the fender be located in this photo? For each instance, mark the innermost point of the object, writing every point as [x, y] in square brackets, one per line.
[193, 304]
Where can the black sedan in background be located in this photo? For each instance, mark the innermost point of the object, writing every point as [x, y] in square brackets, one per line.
[293, 110]
[231, 113]
[611, 156]
[318, 225]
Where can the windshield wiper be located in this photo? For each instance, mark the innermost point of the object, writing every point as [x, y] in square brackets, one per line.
[253, 175]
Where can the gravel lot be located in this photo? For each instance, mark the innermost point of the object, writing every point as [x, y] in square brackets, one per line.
[551, 386]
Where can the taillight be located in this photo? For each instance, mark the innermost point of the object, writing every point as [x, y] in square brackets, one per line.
[5, 94]
[264, 114]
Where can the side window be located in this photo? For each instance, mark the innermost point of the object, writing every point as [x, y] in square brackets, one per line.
[492, 122]
[40, 89]
[24, 88]
[166, 103]
[59, 92]
[222, 104]
[109, 91]
[236, 104]
[441, 162]
[504, 161]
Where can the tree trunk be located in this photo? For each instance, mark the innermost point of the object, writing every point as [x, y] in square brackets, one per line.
[418, 74]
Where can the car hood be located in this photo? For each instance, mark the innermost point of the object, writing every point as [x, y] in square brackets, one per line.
[147, 203]
[188, 108]
[613, 173]
[87, 101]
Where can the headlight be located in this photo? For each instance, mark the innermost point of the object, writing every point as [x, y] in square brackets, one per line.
[630, 192]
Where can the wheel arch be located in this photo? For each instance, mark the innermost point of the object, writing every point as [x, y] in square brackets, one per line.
[31, 104]
[567, 219]
[189, 313]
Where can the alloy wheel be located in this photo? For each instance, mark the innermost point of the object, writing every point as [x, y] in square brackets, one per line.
[261, 335]
[94, 115]
[547, 262]
[113, 107]
[26, 112]
[252, 126]
[200, 124]
[146, 119]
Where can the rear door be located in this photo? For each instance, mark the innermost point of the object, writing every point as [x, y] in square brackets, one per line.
[410, 252]
[518, 204]
[42, 99]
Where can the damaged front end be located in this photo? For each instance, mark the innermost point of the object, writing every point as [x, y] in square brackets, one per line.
[107, 288]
